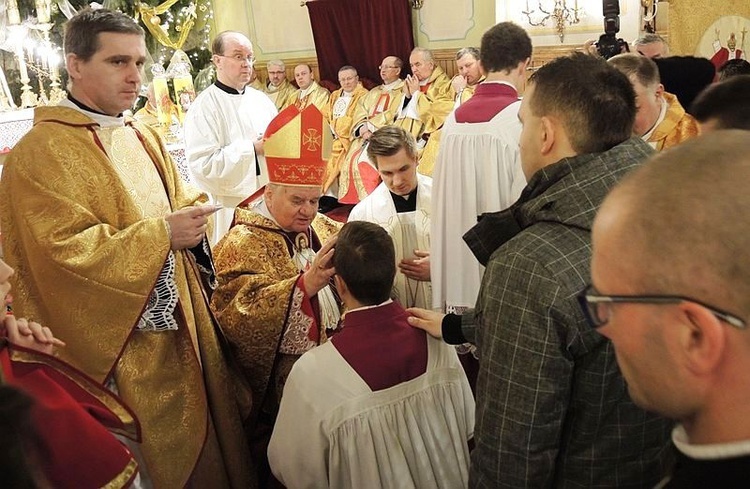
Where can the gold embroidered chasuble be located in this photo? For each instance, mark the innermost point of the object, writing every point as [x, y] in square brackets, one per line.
[342, 130]
[433, 106]
[677, 126]
[256, 302]
[318, 96]
[429, 153]
[379, 106]
[88, 242]
[282, 97]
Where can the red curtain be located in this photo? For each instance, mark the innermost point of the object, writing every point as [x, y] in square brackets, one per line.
[360, 33]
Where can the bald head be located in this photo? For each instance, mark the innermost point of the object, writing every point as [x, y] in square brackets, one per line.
[681, 221]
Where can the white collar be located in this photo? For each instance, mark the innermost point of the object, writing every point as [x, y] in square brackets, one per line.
[101, 119]
[369, 307]
[709, 451]
[662, 115]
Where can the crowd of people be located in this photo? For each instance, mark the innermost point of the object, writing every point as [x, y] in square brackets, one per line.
[541, 282]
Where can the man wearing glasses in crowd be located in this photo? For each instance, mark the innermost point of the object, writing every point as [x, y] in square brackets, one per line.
[224, 129]
[669, 244]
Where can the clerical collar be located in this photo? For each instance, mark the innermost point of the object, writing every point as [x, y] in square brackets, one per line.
[391, 85]
[228, 89]
[405, 203]
[85, 107]
[100, 118]
[304, 92]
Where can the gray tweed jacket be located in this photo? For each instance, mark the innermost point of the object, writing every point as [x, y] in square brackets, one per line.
[552, 407]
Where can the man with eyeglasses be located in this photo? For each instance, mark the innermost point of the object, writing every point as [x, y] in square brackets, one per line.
[224, 130]
[428, 99]
[278, 88]
[671, 291]
[552, 407]
[309, 91]
[339, 114]
[376, 109]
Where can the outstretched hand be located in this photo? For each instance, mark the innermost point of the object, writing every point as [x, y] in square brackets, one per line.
[429, 321]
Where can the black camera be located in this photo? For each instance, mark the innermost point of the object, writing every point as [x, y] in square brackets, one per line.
[609, 45]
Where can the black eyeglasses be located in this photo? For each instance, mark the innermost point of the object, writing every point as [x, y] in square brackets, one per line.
[596, 307]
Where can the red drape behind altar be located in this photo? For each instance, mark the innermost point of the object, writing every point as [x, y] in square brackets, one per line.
[360, 33]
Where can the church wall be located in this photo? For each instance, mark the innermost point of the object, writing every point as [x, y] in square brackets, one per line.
[281, 28]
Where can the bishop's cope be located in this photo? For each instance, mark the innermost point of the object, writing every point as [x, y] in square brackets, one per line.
[275, 297]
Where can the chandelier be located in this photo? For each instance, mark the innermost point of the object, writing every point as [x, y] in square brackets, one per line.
[556, 11]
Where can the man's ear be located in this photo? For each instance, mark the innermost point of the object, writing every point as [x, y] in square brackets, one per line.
[701, 338]
[340, 285]
[73, 65]
[548, 135]
[660, 91]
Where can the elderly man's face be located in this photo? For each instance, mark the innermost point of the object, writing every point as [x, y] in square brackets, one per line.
[294, 208]
[111, 79]
[421, 68]
[648, 102]
[276, 75]
[469, 68]
[348, 80]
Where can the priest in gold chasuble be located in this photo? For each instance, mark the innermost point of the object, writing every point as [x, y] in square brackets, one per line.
[275, 298]
[110, 251]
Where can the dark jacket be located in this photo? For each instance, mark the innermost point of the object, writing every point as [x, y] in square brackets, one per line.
[552, 407]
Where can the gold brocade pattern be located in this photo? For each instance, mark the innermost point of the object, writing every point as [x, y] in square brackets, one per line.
[256, 279]
[122, 478]
[136, 170]
[342, 128]
[689, 20]
[283, 97]
[318, 96]
[677, 126]
[93, 273]
[433, 107]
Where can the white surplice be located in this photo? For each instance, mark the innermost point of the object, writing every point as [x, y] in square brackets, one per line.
[334, 432]
[469, 187]
[407, 232]
[220, 129]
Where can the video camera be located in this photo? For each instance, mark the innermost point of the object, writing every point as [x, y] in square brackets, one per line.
[608, 44]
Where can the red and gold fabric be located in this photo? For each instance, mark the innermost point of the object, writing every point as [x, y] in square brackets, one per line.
[90, 274]
[76, 420]
[342, 129]
[433, 106]
[260, 296]
[297, 145]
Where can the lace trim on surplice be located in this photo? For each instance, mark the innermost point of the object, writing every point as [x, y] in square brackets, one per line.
[159, 312]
